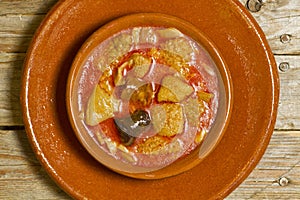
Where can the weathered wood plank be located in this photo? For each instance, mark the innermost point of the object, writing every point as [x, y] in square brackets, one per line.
[10, 84]
[25, 7]
[289, 105]
[22, 177]
[14, 44]
[19, 25]
[282, 159]
[278, 17]
[11, 66]
[17, 31]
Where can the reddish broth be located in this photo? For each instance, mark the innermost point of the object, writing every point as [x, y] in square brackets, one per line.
[172, 59]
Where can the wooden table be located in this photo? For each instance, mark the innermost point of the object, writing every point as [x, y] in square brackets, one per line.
[277, 176]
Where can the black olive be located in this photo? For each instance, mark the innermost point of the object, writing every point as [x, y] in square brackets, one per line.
[141, 117]
[132, 126]
[126, 139]
[124, 132]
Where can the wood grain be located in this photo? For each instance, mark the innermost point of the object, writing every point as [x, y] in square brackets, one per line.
[282, 159]
[10, 84]
[25, 7]
[278, 17]
[11, 67]
[18, 27]
[19, 19]
[21, 175]
[288, 117]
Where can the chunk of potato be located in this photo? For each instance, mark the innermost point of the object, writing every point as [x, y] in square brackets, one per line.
[167, 119]
[152, 145]
[141, 65]
[193, 109]
[119, 79]
[118, 46]
[179, 88]
[200, 136]
[205, 96]
[147, 35]
[179, 46]
[169, 33]
[167, 95]
[100, 107]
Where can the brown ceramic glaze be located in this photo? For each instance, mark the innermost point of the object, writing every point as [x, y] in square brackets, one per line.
[148, 20]
[255, 87]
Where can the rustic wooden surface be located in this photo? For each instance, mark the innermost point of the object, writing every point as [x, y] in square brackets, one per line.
[277, 176]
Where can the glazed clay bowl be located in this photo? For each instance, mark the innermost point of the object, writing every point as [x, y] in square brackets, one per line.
[105, 67]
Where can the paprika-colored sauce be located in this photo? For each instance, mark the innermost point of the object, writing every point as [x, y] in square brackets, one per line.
[148, 95]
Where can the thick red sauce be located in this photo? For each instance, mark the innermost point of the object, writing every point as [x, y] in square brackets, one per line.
[177, 93]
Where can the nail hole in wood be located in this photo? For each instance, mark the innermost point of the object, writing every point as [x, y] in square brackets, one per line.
[254, 5]
[283, 181]
[285, 38]
[284, 66]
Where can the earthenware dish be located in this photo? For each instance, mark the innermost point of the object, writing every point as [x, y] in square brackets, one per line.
[149, 20]
[255, 86]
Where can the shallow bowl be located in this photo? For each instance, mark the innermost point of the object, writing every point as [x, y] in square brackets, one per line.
[76, 116]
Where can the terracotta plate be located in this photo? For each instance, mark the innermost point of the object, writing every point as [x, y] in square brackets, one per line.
[255, 84]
